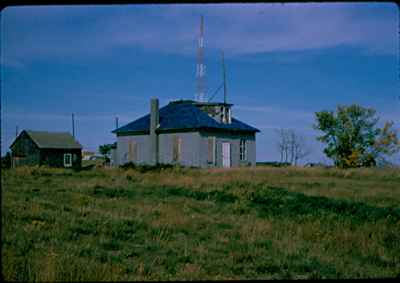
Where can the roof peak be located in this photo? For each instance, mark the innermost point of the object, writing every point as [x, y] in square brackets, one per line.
[188, 101]
[182, 101]
[46, 139]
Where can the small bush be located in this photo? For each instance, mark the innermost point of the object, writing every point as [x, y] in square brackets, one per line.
[146, 168]
[282, 203]
[6, 161]
[218, 196]
[100, 191]
[273, 164]
[152, 168]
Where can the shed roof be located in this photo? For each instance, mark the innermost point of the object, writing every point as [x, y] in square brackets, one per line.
[183, 116]
[59, 140]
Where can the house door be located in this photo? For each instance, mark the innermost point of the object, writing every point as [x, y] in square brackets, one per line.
[226, 154]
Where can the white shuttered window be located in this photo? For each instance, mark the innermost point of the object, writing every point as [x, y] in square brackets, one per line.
[243, 150]
[211, 150]
[176, 150]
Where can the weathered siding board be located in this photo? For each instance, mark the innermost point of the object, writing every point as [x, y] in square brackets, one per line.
[142, 149]
[190, 155]
[25, 151]
[194, 147]
[114, 157]
[29, 160]
[251, 151]
[234, 140]
[55, 157]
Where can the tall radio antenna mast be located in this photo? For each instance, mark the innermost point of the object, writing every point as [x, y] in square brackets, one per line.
[224, 77]
[201, 68]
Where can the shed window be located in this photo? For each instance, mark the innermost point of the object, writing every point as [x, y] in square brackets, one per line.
[176, 150]
[243, 150]
[67, 159]
[211, 150]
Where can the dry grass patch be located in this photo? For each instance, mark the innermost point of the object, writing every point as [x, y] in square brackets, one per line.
[245, 223]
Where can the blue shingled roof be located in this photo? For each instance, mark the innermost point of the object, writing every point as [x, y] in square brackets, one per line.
[183, 116]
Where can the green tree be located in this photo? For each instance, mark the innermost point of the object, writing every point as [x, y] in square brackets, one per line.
[353, 138]
[105, 150]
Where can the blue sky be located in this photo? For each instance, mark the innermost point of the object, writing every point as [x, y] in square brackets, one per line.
[284, 62]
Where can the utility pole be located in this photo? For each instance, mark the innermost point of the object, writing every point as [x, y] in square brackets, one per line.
[16, 131]
[224, 77]
[116, 122]
[73, 125]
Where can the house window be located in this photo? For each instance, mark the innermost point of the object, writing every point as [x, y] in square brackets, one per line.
[132, 151]
[211, 150]
[176, 150]
[226, 115]
[243, 150]
[67, 159]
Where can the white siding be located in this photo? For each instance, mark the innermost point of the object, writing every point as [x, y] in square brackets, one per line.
[142, 148]
[194, 148]
[189, 150]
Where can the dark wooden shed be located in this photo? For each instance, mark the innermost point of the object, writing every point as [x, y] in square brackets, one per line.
[54, 149]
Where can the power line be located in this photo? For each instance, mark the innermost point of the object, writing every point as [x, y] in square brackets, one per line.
[216, 92]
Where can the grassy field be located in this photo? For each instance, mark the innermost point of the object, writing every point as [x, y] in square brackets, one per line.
[175, 224]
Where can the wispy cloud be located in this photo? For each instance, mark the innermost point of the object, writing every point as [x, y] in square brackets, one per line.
[236, 28]
[270, 118]
[265, 109]
[293, 113]
[38, 117]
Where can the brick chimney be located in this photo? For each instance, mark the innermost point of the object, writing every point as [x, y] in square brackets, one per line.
[154, 121]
